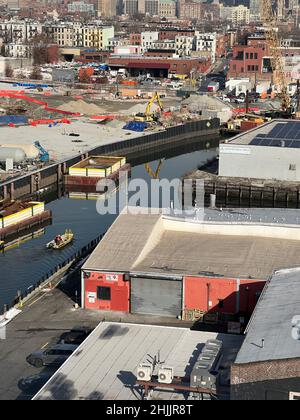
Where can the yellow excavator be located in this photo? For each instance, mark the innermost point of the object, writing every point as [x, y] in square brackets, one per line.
[149, 116]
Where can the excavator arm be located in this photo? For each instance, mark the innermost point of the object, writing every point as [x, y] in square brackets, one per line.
[155, 97]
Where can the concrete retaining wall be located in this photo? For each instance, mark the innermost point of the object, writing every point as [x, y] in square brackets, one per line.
[231, 229]
[29, 184]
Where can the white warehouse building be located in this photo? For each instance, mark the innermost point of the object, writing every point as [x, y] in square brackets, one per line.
[271, 151]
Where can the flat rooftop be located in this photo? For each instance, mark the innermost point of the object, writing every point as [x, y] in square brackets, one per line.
[272, 321]
[285, 130]
[231, 243]
[104, 366]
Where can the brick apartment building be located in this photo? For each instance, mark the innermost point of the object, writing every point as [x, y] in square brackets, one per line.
[221, 45]
[250, 60]
[136, 39]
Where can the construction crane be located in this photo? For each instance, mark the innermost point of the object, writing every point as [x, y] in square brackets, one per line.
[269, 21]
[149, 116]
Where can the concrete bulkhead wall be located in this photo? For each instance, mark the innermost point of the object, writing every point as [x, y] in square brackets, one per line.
[288, 232]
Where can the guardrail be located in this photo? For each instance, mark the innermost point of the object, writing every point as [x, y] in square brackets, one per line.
[46, 278]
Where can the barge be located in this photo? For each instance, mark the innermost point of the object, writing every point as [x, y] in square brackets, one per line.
[16, 217]
[85, 175]
[14, 243]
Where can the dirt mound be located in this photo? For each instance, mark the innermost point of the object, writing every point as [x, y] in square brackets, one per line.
[83, 107]
[140, 108]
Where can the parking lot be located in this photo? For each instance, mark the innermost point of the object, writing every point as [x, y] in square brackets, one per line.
[40, 325]
[43, 323]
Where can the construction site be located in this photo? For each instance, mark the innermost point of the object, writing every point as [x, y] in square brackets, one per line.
[36, 132]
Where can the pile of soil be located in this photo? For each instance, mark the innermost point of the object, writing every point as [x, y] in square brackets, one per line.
[82, 107]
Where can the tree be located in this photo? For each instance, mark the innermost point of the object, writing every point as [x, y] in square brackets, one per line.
[8, 71]
[21, 76]
[43, 50]
[84, 75]
[36, 74]
[3, 50]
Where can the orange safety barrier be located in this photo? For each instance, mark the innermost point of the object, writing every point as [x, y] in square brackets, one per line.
[7, 92]
[34, 123]
[35, 101]
[129, 82]
[243, 110]
[102, 117]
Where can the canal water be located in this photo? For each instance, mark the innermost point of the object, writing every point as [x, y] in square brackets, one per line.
[24, 265]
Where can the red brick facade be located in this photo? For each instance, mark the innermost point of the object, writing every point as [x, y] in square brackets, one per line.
[248, 59]
[176, 66]
[265, 371]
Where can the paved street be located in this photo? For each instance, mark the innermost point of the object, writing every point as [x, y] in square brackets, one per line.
[41, 323]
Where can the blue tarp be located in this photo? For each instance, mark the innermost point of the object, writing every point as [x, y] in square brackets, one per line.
[31, 85]
[136, 126]
[13, 119]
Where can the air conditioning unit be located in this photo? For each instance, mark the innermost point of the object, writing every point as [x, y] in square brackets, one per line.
[165, 375]
[144, 372]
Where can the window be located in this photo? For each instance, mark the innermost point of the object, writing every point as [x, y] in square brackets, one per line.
[104, 293]
[292, 167]
[294, 396]
[51, 352]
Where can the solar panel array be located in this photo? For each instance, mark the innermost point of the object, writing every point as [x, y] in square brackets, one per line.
[282, 135]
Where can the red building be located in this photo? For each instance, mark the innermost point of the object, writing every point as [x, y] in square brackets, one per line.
[222, 45]
[151, 264]
[135, 39]
[158, 66]
[249, 59]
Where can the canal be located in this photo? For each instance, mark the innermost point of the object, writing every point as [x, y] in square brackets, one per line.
[24, 265]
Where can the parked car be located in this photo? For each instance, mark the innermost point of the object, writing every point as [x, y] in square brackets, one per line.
[32, 384]
[238, 100]
[224, 98]
[76, 336]
[53, 356]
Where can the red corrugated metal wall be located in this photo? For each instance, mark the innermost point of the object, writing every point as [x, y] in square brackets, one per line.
[223, 295]
[119, 291]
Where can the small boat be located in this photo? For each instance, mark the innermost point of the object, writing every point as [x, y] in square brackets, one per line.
[61, 241]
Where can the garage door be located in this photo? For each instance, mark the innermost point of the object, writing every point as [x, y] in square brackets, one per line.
[156, 297]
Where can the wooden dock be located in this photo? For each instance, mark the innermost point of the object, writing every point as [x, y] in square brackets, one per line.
[247, 192]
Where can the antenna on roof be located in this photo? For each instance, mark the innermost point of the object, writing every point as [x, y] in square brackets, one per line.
[155, 361]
